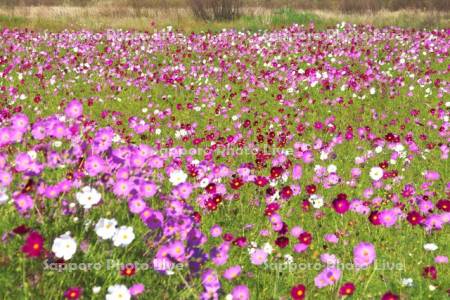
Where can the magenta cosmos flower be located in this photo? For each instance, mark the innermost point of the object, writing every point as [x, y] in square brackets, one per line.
[33, 244]
[341, 206]
[363, 255]
[298, 292]
[73, 293]
[347, 289]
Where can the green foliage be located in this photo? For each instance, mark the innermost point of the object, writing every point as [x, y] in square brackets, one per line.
[287, 16]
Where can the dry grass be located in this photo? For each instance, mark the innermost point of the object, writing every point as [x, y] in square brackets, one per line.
[112, 15]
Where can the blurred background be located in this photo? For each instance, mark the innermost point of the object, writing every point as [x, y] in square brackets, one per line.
[202, 15]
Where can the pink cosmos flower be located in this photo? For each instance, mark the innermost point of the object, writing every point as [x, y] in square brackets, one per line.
[387, 217]
[23, 203]
[232, 272]
[136, 289]
[440, 259]
[258, 257]
[74, 109]
[94, 165]
[328, 276]
[363, 255]
[240, 292]
[331, 238]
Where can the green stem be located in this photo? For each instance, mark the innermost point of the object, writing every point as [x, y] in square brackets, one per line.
[24, 279]
[186, 283]
[368, 280]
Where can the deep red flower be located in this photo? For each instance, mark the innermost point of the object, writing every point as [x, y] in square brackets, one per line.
[282, 242]
[298, 292]
[390, 296]
[284, 229]
[430, 272]
[286, 192]
[211, 205]
[211, 188]
[276, 172]
[240, 241]
[347, 289]
[236, 183]
[73, 293]
[305, 238]
[228, 237]
[374, 218]
[197, 217]
[342, 196]
[300, 128]
[305, 205]
[261, 181]
[383, 165]
[21, 229]
[311, 189]
[128, 270]
[271, 208]
[414, 218]
[444, 205]
[33, 244]
[217, 198]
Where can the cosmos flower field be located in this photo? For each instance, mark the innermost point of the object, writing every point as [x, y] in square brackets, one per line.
[285, 164]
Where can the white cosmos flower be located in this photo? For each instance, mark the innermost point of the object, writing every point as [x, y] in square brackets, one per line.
[32, 154]
[376, 173]
[288, 259]
[430, 247]
[123, 236]
[177, 177]
[3, 196]
[157, 131]
[88, 197]
[180, 133]
[64, 246]
[399, 147]
[96, 289]
[332, 169]
[316, 201]
[267, 248]
[57, 144]
[407, 282]
[116, 138]
[204, 182]
[106, 228]
[118, 292]
[378, 149]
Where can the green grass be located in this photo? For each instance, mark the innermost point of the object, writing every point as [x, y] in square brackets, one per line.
[287, 16]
